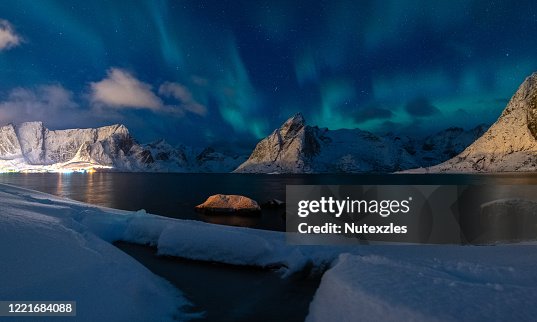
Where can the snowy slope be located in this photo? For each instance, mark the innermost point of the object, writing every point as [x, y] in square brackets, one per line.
[441, 146]
[181, 158]
[510, 144]
[424, 283]
[31, 139]
[290, 148]
[47, 255]
[168, 158]
[210, 160]
[9, 143]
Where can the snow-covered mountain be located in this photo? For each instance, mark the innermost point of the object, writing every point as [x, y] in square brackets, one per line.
[299, 148]
[290, 148]
[32, 147]
[295, 147]
[181, 158]
[441, 146]
[510, 144]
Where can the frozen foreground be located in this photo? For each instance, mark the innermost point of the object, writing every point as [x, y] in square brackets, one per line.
[55, 249]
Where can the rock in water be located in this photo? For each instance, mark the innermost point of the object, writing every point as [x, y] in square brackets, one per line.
[510, 144]
[229, 204]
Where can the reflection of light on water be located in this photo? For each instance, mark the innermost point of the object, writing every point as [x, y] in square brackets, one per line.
[89, 194]
[63, 184]
[94, 189]
[59, 185]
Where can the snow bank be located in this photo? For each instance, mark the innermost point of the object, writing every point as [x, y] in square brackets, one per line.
[224, 244]
[47, 256]
[430, 283]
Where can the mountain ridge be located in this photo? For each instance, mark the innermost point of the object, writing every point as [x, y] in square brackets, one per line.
[296, 147]
[31, 147]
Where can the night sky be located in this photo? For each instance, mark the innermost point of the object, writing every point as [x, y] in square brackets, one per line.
[208, 72]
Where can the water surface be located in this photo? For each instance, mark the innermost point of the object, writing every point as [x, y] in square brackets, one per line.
[176, 194]
[232, 293]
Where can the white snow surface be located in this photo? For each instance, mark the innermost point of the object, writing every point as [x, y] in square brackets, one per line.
[57, 249]
[430, 283]
[49, 255]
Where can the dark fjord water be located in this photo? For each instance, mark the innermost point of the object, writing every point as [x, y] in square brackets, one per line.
[225, 293]
[232, 293]
[176, 194]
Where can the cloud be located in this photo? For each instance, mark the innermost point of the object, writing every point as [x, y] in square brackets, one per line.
[181, 93]
[51, 104]
[421, 107]
[372, 112]
[8, 37]
[120, 89]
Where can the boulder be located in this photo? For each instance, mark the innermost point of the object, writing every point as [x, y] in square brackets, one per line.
[229, 204]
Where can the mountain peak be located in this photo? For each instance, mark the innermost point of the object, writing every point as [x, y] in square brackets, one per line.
[292, 126]
[298, 118]
[525, 98]
[288, 149]
[117, 128]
